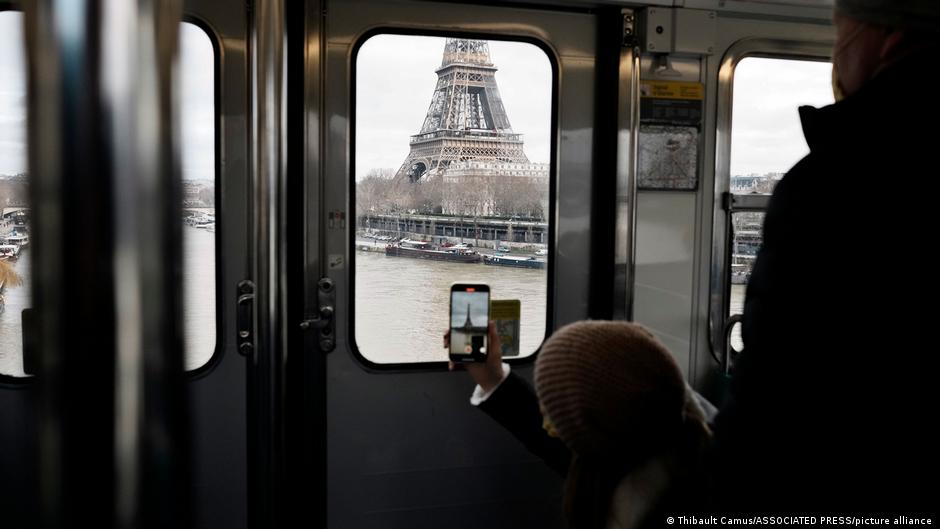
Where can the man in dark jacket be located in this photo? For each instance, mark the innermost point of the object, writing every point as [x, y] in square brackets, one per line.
[830, 400]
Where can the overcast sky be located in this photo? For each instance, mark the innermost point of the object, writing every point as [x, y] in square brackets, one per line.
[396, 80]
[766, 136]
[12, 95]
[197, 106]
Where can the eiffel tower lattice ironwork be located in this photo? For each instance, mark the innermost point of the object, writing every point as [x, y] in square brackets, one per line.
[466, 119]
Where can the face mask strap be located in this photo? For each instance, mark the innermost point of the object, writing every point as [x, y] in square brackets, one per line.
[848, 40]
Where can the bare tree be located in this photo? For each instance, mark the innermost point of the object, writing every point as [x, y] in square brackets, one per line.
[207, 195]
[373, 192]
[428, 195]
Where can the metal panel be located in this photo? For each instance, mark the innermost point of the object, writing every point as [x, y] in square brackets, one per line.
[694, 31]
[394, 438]
[656, 30]
[803, 9]
[217, 394]
[747, 202]
[737, 38]
[664, 255]
[664, 268]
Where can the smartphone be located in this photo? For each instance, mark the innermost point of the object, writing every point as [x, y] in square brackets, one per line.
[469, 319]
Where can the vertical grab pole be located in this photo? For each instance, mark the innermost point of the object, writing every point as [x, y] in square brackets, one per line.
[628, 116]
[266, 384]
[105, 190]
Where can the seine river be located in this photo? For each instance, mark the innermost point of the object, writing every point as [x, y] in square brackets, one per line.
[198, 304]
[401, 304]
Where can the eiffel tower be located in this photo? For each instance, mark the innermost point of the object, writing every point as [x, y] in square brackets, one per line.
[468, 325]
[466, 119]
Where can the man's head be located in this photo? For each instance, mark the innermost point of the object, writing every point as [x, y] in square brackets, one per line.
[871, 34]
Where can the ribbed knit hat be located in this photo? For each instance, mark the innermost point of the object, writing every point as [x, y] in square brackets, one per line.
[611, 389]
[921, 15]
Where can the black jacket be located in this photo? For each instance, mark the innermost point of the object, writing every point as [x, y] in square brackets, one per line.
[514, 405]
[831, 404]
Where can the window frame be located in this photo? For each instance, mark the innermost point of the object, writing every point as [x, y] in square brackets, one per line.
[726, 203]
[11, 381]
[16, 382]
[554, 62]
[215, 40]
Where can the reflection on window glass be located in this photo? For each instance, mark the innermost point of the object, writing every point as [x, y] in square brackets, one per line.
[744, 246]
[198, 156]
[766, 136]
[452, 153]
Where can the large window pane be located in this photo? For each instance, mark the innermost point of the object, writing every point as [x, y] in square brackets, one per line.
[14, 195]
[452, 152]
[766, 141]
[197, 127]
[197, 113]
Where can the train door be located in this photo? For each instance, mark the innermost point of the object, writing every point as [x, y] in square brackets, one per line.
[212, 112]
[403, 447]
[218, 396]
[767, 62]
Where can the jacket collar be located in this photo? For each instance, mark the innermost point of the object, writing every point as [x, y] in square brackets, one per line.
[898, 94]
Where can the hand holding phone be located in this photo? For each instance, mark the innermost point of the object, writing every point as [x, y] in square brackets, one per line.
[487, 374]
[469, 322]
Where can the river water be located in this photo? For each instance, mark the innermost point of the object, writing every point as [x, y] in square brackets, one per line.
[401, 304]
[199, 323]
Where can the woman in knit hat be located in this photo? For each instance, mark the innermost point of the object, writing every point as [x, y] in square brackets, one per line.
[618, 400]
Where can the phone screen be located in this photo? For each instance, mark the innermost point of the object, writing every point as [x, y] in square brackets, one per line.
[469, 318]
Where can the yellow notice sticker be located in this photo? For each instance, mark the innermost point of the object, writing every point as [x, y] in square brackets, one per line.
[672, 90]
[505, 313]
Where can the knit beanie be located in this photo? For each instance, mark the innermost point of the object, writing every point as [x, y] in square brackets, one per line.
[923, 15]
[612, 391]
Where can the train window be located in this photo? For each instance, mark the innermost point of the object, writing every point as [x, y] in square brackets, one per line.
[14, 191]
[766, 135]
[766, 140]
[451, 183]
[197, 82]
[197, 127]
[746, 240]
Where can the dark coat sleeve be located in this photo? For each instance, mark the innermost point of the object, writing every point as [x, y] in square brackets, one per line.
[514, 405]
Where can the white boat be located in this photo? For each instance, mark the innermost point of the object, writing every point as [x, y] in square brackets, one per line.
[19, 239]
[200, 220]
[9, 252]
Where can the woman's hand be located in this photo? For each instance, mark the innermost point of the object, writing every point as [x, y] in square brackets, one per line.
[487, 374]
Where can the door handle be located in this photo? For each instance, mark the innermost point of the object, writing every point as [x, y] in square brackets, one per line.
[324, 320]
[244, 317]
